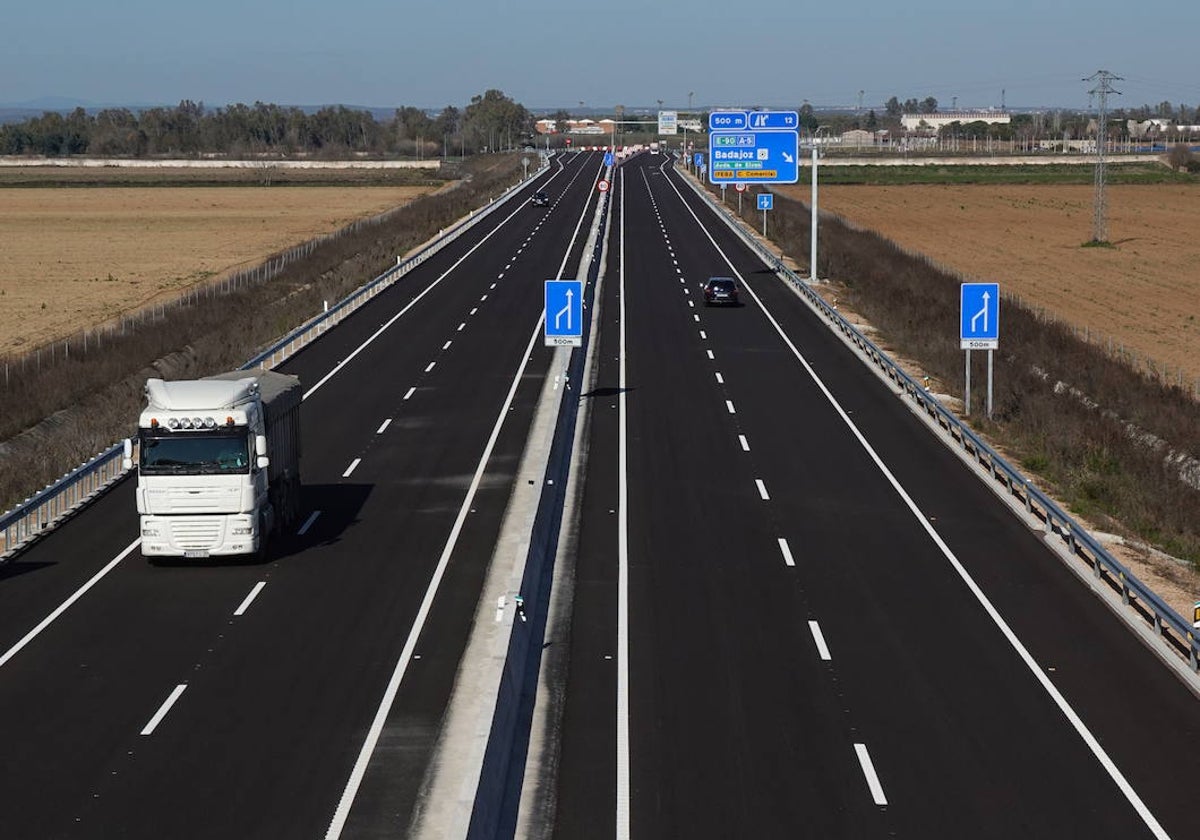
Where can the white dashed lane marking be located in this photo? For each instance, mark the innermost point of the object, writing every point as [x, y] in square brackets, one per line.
[353, 466]
[818, 636]
[762, 490]
[383, 428]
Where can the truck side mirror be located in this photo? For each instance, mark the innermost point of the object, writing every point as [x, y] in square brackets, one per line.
[127, 460]
[263, 462]
[260, 445]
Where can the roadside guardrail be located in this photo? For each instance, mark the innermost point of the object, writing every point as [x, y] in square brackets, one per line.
[47, 508]
[1176, 633]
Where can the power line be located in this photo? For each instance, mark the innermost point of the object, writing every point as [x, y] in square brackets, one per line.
[1103, 88]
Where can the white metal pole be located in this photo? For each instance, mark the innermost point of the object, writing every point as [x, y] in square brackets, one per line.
[812, 256]
[967, 391]
[989, 394]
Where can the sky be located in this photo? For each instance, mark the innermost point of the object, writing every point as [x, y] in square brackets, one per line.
[560, 53]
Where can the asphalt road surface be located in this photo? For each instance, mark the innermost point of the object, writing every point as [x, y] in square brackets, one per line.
[794, 613]
[797, 614]
[148, 708]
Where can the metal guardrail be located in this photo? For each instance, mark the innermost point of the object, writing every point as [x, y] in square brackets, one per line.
[1168, 625]
[50, 506]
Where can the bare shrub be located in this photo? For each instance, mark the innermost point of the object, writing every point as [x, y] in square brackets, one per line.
[1098, 454]
[95, 397]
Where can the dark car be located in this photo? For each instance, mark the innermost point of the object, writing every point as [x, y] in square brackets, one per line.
[720, 290]
[540, 199]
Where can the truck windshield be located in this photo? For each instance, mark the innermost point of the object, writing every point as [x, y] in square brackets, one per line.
[196, 453]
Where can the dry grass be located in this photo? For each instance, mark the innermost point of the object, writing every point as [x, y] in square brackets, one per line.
[1144, 293]
[74, 257]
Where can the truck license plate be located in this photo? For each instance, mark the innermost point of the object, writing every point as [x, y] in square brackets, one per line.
[198, 554]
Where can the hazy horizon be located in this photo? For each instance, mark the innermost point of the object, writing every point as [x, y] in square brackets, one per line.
[370, 54]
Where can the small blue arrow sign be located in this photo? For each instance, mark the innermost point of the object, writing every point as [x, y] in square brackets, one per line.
[698, 158]
[979, 316]
[766, 201]
[564, 313]
[608, 158]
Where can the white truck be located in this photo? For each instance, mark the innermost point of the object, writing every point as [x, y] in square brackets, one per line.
[218, 464]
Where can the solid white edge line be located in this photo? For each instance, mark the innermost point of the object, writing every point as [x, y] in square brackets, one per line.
[745, 443]
[163, 709]
[864, 759]
[65, 605]
[786, 551]
[245, 605]
[308, 523]
[1022, 652]
[383, 428]
[385, 705]
[623, 784]
[353, 466]
[819, 640]
[762, 489]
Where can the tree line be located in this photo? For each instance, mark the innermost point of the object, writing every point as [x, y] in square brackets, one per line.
[491, 121]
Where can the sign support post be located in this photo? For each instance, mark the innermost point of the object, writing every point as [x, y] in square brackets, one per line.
[967, 389]
[812, 257]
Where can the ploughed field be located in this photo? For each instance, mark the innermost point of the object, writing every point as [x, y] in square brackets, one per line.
[1143, 293]
[72, 258]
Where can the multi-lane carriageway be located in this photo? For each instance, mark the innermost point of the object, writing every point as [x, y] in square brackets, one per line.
[781, 608]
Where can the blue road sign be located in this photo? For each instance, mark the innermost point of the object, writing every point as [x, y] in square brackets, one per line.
[761, 120]
[608, 158]
[766, 201]
[698, 158]
[726, 120]
[765, 157]
[564, 313]
[979, 316]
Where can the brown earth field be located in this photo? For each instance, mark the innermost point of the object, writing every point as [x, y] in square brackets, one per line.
[1143, 293]
[72, 258]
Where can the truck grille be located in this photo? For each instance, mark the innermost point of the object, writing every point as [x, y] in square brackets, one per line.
[196, 533]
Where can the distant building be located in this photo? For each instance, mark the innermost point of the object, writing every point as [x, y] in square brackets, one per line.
[546, 126]
[937, 121]
[857, 137]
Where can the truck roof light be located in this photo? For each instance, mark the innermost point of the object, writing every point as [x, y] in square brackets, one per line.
[173, 423]
[209, 423]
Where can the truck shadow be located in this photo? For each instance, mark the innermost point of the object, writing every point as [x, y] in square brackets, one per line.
[332, 508]
[328, 510]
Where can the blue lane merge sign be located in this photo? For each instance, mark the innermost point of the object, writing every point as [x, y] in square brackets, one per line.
[766, 201]
[608, 158]
[979, 316]
[698, 158]
[564, 313]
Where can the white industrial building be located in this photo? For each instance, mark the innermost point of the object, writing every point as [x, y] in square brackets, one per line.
[937, 121]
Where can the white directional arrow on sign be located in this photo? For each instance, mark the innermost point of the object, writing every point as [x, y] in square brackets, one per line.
[566, 310]
[982, 313]
[788, 158]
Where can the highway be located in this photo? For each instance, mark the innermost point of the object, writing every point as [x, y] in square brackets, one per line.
[785, 609]
[796, 614]
[188, 701]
